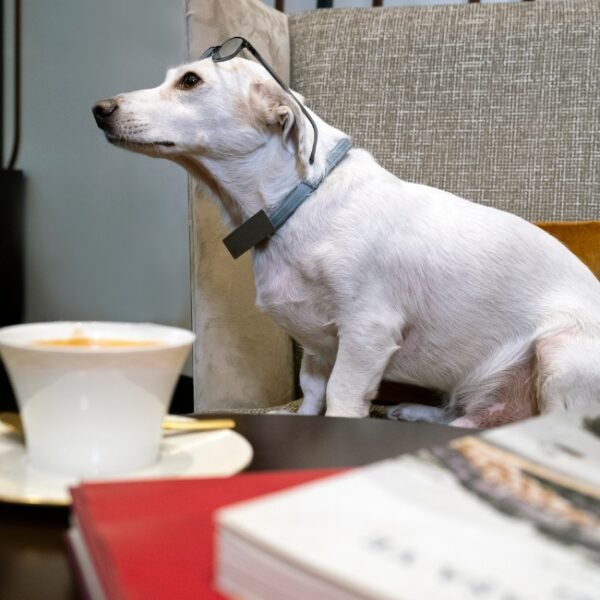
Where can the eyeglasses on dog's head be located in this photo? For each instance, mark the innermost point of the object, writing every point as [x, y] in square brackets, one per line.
[231, 48]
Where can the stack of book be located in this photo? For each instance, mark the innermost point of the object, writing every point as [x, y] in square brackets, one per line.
[510, 514]
[154, 539]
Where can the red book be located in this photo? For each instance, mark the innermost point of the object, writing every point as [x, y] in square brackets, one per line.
[154, 539]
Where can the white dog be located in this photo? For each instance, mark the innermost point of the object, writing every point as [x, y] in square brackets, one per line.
[377, 277]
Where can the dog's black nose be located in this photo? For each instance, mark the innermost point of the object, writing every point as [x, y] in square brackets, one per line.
[103, 110]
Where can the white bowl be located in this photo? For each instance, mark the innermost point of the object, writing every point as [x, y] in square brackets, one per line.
[93, 411]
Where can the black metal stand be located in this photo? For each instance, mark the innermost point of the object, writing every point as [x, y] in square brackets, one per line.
[12, 185]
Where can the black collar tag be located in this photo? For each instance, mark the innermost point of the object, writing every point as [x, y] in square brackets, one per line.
[255, 230]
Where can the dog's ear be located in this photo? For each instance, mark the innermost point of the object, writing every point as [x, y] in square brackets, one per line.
[272, 105]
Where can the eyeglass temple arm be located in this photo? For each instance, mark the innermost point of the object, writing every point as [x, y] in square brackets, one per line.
[258, 57]
[208, 52]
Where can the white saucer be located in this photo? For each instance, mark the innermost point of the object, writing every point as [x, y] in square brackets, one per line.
[199, 454]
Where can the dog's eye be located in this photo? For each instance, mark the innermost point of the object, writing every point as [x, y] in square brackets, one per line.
[189, 80]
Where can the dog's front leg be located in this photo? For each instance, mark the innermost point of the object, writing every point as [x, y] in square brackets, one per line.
[314, 373]
[359, 367]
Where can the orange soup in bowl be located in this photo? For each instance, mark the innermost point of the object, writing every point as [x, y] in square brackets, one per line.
[98, 343]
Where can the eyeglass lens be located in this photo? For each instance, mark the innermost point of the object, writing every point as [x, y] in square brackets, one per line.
[229, 49]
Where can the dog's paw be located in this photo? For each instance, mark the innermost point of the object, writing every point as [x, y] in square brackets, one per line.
[310, 410]
[353, 412]
[414, 413]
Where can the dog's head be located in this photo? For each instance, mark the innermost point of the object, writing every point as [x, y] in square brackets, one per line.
[222, 110]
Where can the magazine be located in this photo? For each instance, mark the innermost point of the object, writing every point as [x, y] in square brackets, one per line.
[509, 514]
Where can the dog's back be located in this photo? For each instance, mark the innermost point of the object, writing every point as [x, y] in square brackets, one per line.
[472, 289]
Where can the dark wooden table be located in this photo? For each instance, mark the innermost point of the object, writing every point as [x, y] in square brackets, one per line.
[33, 560]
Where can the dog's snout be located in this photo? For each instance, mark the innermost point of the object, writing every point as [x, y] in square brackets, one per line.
[103, 110]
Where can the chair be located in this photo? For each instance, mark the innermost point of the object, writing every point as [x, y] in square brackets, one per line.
[497, 103]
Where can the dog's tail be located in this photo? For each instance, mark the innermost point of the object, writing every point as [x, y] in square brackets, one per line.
[501, 389]
[568, 365]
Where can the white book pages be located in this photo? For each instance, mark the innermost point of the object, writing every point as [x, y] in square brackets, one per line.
[81, 554]
[425, 527]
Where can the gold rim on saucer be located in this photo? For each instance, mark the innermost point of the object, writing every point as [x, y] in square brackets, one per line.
[32, 501]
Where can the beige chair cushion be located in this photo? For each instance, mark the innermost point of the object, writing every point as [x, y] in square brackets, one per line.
[498, 103]
[241, 359]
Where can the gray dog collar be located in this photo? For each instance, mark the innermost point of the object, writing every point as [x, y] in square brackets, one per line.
[261, 226]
